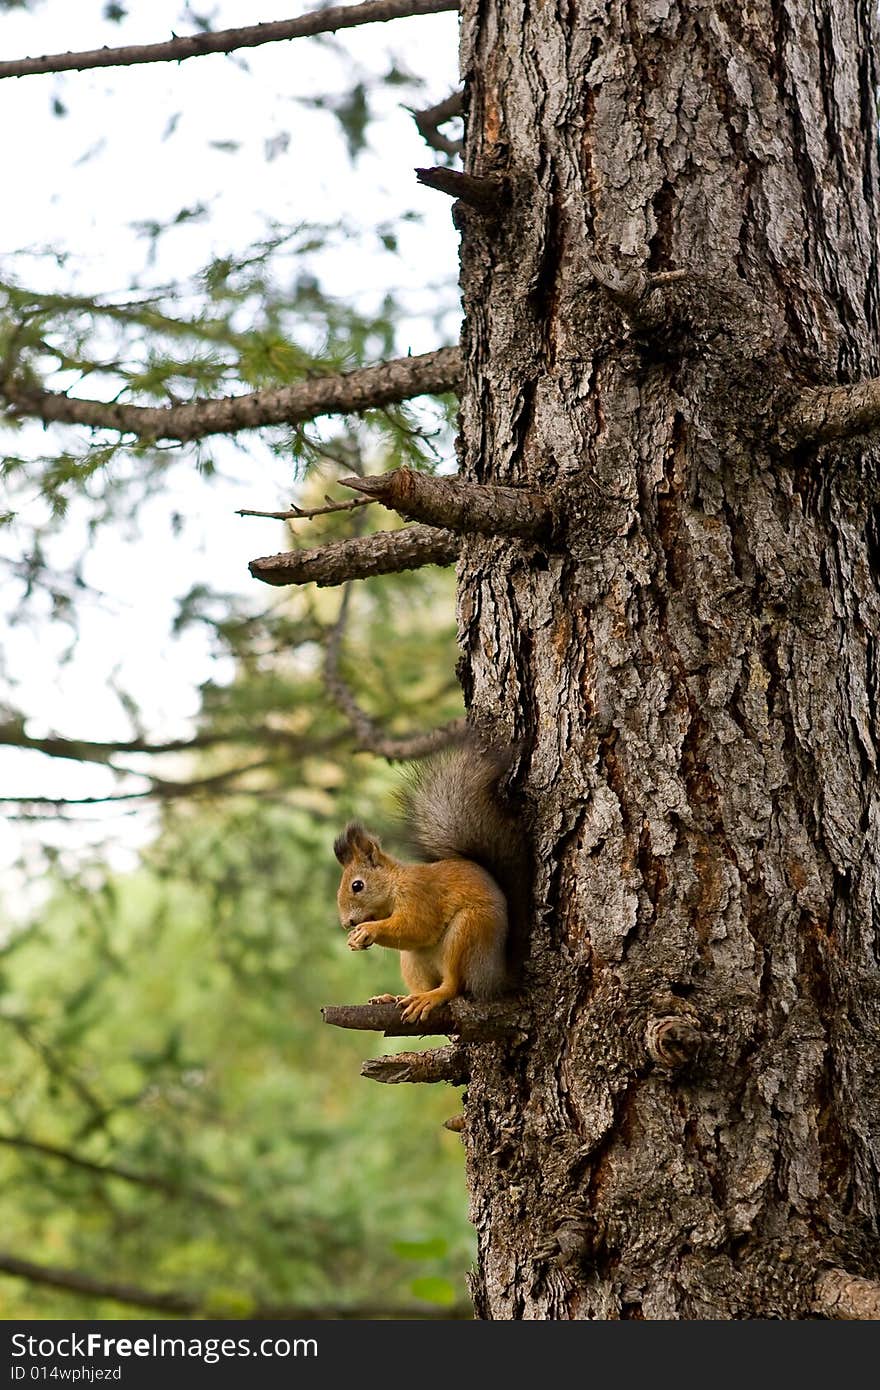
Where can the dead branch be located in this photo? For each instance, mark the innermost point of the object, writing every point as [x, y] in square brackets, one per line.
[345, 393]
[429, 120]
[295, 513]
[468, 1021]
[326, 21]
[362, 557]
[846, 1296]
[822, 414]
[459, 505]
[439, 1064]
[487, 195]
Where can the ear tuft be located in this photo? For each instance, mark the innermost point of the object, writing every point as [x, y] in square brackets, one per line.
[356, 842]
[342, 845]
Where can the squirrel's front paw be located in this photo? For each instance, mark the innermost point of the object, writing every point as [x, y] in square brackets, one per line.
[360, 939]
[387, 999]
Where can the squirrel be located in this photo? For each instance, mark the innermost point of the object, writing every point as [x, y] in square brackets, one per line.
[447, 917]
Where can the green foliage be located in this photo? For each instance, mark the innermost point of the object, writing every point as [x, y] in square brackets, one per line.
[173, 1112]
[168, 1024]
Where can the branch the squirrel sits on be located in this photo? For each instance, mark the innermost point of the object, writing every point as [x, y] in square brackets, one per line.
[447, 917]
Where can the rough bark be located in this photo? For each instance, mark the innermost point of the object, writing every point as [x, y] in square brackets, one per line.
[360, 557]
[448, 502]
[440, 1064]
[695, 678]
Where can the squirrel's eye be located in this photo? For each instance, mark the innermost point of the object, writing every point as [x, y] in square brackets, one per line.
[357, 885]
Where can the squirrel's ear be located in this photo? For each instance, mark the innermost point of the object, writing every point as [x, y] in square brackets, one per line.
[363, 843]
[342, 847]
[356, 842]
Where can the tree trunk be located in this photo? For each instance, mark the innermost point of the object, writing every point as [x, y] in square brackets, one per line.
[692, 1128]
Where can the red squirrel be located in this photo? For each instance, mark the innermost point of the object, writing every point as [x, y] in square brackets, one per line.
[447, 917]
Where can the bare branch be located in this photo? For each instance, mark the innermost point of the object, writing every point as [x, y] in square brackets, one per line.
[824, 413]
[12, 735]
[471, 1022]
[428, 123]
[326, 21]
[73, 1281]
[439, 1064]
[166, 1186]
[370, 736]
[295, 513]
[846, 1296]
[363, 557]
[346, 393]
[487, 195]
[459, 505]
[159, 787]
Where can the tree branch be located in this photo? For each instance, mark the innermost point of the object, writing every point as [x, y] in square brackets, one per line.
[12, 735]
[487, 195]
[846, 1296]
[370, 736]
[470, 1022]
[184, 1304]
[325, 21]
[294, 513]
[439, 1064]
[429, 120]
[824, 413]
[111, 1170]
[383, 552]
[459, 505]
[346, 393]
[54, 1064]
[160, 787]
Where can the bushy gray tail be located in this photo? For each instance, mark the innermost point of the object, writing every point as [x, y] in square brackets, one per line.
[455, 809]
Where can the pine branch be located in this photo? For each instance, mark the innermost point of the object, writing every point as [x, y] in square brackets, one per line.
[459, 505]
[346, 393]
[822, 414]
[322, 21]
[370, 736]
[12, 735]
[362, 557]
[429, 120]
[184, 1304]
[469, 1021]
[845, 1296]
[438, 1064]
[159, 787]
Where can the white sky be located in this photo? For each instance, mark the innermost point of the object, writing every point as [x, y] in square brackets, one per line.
[78, 184]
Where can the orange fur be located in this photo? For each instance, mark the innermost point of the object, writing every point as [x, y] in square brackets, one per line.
[448, 920]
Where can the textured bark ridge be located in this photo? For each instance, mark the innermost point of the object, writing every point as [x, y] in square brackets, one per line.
[695, 676]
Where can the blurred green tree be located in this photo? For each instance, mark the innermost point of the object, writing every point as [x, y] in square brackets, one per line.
[176, 1131]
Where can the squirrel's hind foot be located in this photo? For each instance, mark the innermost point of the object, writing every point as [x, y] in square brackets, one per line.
[415, 1008]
